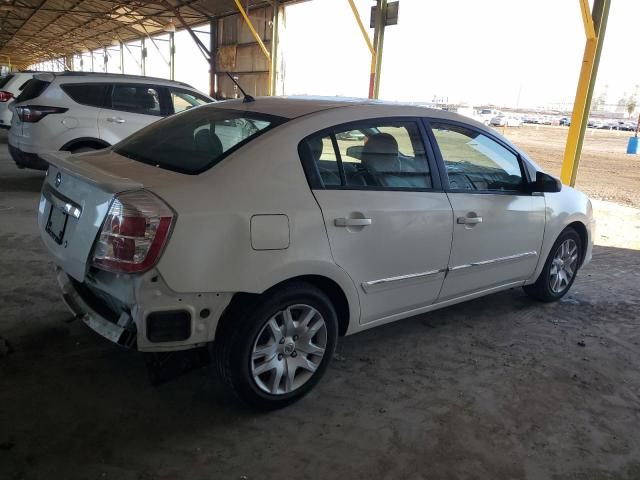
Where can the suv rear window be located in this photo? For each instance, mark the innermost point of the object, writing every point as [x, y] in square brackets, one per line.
[92, 94]
[196, 140]
[5, 80]
[32, 89]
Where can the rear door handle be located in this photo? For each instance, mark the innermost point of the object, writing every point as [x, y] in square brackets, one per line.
[115, 119]
[352, 222]
[469, 220]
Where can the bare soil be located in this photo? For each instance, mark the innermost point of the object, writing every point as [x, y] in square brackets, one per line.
[606, 172]
[497, 388]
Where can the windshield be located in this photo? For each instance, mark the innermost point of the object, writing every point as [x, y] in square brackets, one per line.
[195, 140]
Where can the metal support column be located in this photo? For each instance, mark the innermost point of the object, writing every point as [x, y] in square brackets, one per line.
[91, 53]
[105, 60]
[121, 58]
[143, 57]
[595, 24]
[381, 17]
[273, 77]
[213, 50]
[372, 50]
[172, 56]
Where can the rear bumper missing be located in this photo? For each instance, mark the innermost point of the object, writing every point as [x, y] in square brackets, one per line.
[120, 329]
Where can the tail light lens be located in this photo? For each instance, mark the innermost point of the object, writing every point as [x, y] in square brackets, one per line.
[5, 96]
[34, 113]
[134, 233]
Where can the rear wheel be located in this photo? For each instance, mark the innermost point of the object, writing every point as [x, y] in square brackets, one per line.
[560, 269]
[274, 353]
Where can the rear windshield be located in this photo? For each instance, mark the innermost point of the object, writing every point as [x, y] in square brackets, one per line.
[195, 140]
[5, 80]
[32, 89]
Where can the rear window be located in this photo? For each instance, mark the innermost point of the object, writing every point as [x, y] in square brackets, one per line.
[92, 94]
[32, 89]
[194, 141]
[5, 80]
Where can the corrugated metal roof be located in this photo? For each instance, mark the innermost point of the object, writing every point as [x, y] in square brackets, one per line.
[36, 30]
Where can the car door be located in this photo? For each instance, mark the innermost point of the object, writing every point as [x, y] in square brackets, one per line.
[499, 225]
[130, 108]
[388, 222]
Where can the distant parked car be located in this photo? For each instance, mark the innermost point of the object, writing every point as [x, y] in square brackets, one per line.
[78, 111]
[565, 121]
[506, 120]
[10, 87]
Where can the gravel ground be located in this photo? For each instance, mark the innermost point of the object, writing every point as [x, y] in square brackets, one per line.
[498, 388]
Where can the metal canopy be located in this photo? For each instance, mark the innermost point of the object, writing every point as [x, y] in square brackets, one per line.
[36, 30]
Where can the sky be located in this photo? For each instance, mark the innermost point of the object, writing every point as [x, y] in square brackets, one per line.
[505, 52]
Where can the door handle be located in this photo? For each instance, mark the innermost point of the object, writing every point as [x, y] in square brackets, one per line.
[469, 220]
[115, 119]
[352, 222]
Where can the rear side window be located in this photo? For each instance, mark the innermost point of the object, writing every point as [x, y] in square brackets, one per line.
[136, 99]
[196, 140]
[5, 80]
[86, 94]
[380, 154]
[32, 89]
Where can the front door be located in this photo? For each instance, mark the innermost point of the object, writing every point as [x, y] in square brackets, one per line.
[389, 224]
[498, 226]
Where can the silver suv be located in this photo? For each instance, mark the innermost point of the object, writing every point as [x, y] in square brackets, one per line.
[78, 111]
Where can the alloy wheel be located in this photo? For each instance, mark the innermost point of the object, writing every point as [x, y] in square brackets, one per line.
[563, 266]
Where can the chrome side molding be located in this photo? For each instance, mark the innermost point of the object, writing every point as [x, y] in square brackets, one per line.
[369, 286]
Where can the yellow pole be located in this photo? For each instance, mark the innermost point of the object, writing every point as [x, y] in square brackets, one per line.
[361, 26]
[256, 36]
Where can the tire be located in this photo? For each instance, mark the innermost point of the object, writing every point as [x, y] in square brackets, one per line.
[550, 286]
[257, 345]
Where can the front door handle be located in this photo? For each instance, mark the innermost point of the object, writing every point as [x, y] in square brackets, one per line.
[115, 119]
[352, 222]
[469, 220]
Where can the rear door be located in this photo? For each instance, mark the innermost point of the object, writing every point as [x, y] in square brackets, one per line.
[182, 99]
[388, 221]
[498, 226]
[131, 107]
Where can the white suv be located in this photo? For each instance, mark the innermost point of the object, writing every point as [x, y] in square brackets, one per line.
[266, 229]
[78, 111]
[10, 87]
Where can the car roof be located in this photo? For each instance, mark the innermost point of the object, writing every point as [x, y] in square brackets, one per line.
[298, 106]
[109, 77]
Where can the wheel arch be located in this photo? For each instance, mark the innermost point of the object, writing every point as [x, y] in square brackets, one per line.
[581, 230]
[244, 300]
[85, 142]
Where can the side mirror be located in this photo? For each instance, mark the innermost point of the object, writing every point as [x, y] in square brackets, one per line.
[545, 183]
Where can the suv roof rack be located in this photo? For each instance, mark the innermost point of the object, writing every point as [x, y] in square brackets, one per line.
[119, 75]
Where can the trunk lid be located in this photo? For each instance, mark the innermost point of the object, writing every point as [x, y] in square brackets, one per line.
[74, 202]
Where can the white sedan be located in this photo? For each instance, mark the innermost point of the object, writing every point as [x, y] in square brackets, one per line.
[311, 219]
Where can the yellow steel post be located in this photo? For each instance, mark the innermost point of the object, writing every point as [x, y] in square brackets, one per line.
[257, 37]
[595, 27]
[367, 40]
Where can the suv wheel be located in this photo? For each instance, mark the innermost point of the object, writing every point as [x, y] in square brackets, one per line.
[274, 352]
[560, 269]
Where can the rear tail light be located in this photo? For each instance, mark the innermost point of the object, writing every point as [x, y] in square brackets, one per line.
[34, 113]
[134, 233]
[5, 96]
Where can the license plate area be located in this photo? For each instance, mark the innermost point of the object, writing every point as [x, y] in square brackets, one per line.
[56, 224]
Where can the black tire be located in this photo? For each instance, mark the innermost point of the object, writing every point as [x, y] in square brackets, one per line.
[541, 290]
[234, 343]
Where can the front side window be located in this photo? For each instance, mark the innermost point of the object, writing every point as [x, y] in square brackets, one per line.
[195, 141]
[136, 99]
[384, 154]
[475, 162]
[183, 100]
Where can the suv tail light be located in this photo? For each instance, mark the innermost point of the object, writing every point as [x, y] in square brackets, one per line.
[134, 233]
[34, 113]
[5, 96]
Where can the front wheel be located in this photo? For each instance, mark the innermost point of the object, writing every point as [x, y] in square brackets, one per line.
[560, 269]
[274, 352]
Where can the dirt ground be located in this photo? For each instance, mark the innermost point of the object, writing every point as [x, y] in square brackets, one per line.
[498, 388]
[606, 172]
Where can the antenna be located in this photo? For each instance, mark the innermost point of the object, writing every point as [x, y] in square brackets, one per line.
[247, 98]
